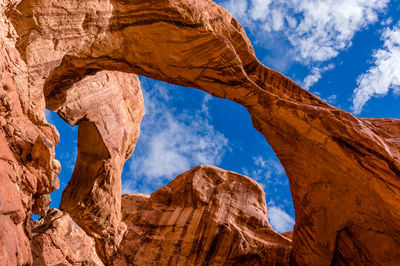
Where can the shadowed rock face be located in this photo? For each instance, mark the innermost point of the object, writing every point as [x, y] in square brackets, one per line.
[206, 216]
[344, 171]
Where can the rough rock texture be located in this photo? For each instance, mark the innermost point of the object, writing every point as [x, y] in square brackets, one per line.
[58, 240]
[206, 216]
[343, 171]
[28, 171]
[288, 234]
[108, 108]
[28, 168]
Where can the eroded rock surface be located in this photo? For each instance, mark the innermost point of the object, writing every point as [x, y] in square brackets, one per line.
[343, 171]
[206, 216]
[108, 107]
[27, 175]
[58, 240]
[288, 234]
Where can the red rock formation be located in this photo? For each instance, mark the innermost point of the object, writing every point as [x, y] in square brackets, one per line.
[108, 108]
[28, 171]
[58, 240]
[343, 171]
[206, 216]
[288, 234]
[132, 203]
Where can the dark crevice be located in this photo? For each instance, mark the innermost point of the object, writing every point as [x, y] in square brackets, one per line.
[348, 250]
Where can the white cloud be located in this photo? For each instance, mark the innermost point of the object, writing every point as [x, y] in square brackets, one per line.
[171, 142]
[270, 166]
[312, 78]
[317, 29]
[331, 99]
[259, 9]
[312, 31]
[280, 220]
[315, 75]
[268, 172]
[384, 75]
[237, 8]
[387, 22]
[49, 115]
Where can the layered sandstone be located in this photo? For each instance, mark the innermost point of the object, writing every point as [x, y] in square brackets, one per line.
[206, 216]
[108, 107]
[28, 170]
[58, 240]
[343, 171]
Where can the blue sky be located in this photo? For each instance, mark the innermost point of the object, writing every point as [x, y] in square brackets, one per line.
[346, 52]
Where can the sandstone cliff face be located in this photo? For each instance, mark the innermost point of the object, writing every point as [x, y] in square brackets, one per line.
[206, 216]
[343, 171]
[58, 240]
[28, 171]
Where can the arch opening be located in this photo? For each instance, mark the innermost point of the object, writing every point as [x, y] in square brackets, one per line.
[184, 128]
[179, 134]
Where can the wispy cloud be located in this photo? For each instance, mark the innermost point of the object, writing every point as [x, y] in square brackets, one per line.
[331, 99]
[171, 142]
[280, 220]
[315, 75]
[266, 171]
[315, 31]
[49, 116]
[384, 75]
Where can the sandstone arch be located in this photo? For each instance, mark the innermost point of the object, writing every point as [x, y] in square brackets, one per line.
[108, 107]
[343, 171]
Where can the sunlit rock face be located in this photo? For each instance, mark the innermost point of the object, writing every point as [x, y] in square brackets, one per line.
[206, 216]
[58, 240]
[108, 107]
[28, 170]
[343, 171]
